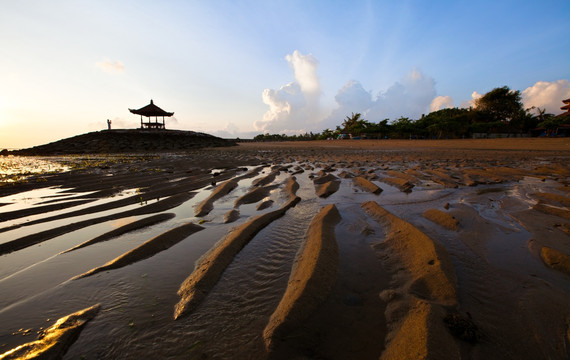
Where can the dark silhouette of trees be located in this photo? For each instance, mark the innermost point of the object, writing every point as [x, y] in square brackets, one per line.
[501, 104]
[498, 111]
[284, 137]
[404, 128]
[351, 121]
[445, 123]
[355, 125]
[551, 122]
[328, 134]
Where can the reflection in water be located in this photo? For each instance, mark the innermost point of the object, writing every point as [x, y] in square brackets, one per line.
[18, 168]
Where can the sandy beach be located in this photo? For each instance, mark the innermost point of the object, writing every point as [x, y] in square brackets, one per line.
[344, 249]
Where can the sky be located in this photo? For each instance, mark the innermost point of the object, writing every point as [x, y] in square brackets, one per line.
[241, 68]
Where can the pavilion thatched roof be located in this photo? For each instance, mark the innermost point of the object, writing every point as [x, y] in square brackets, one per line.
[151, 110]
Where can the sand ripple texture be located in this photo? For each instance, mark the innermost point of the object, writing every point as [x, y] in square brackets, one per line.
[280, 251]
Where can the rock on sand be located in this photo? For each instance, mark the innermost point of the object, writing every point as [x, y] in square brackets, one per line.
[556, 259]
[441, 218]
[367, 185]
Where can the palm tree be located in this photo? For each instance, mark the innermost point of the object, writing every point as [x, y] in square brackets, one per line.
[350, 121]
[541, 114]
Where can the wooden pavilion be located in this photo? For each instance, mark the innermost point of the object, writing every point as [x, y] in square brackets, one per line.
[151, 111]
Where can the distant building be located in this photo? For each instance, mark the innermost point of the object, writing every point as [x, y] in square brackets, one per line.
[563, 130]
[566, 108]
[151, 111]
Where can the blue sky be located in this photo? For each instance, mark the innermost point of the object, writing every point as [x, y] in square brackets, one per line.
[239, 68]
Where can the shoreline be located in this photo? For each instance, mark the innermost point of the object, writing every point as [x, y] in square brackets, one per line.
[529, 143]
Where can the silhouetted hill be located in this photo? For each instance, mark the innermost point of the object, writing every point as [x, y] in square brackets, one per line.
[127, 141]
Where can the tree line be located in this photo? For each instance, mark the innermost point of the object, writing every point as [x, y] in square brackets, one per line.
[498, 111]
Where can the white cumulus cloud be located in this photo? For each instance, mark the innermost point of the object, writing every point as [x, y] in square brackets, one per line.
[471, 103]
[111, 66]
[441, 102]
[410, 97]
[352, 97]
[294, 107]
[305, 70]
[547, 95]
[231, 130]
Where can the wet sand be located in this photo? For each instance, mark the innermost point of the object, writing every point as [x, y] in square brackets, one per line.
[455, 249]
